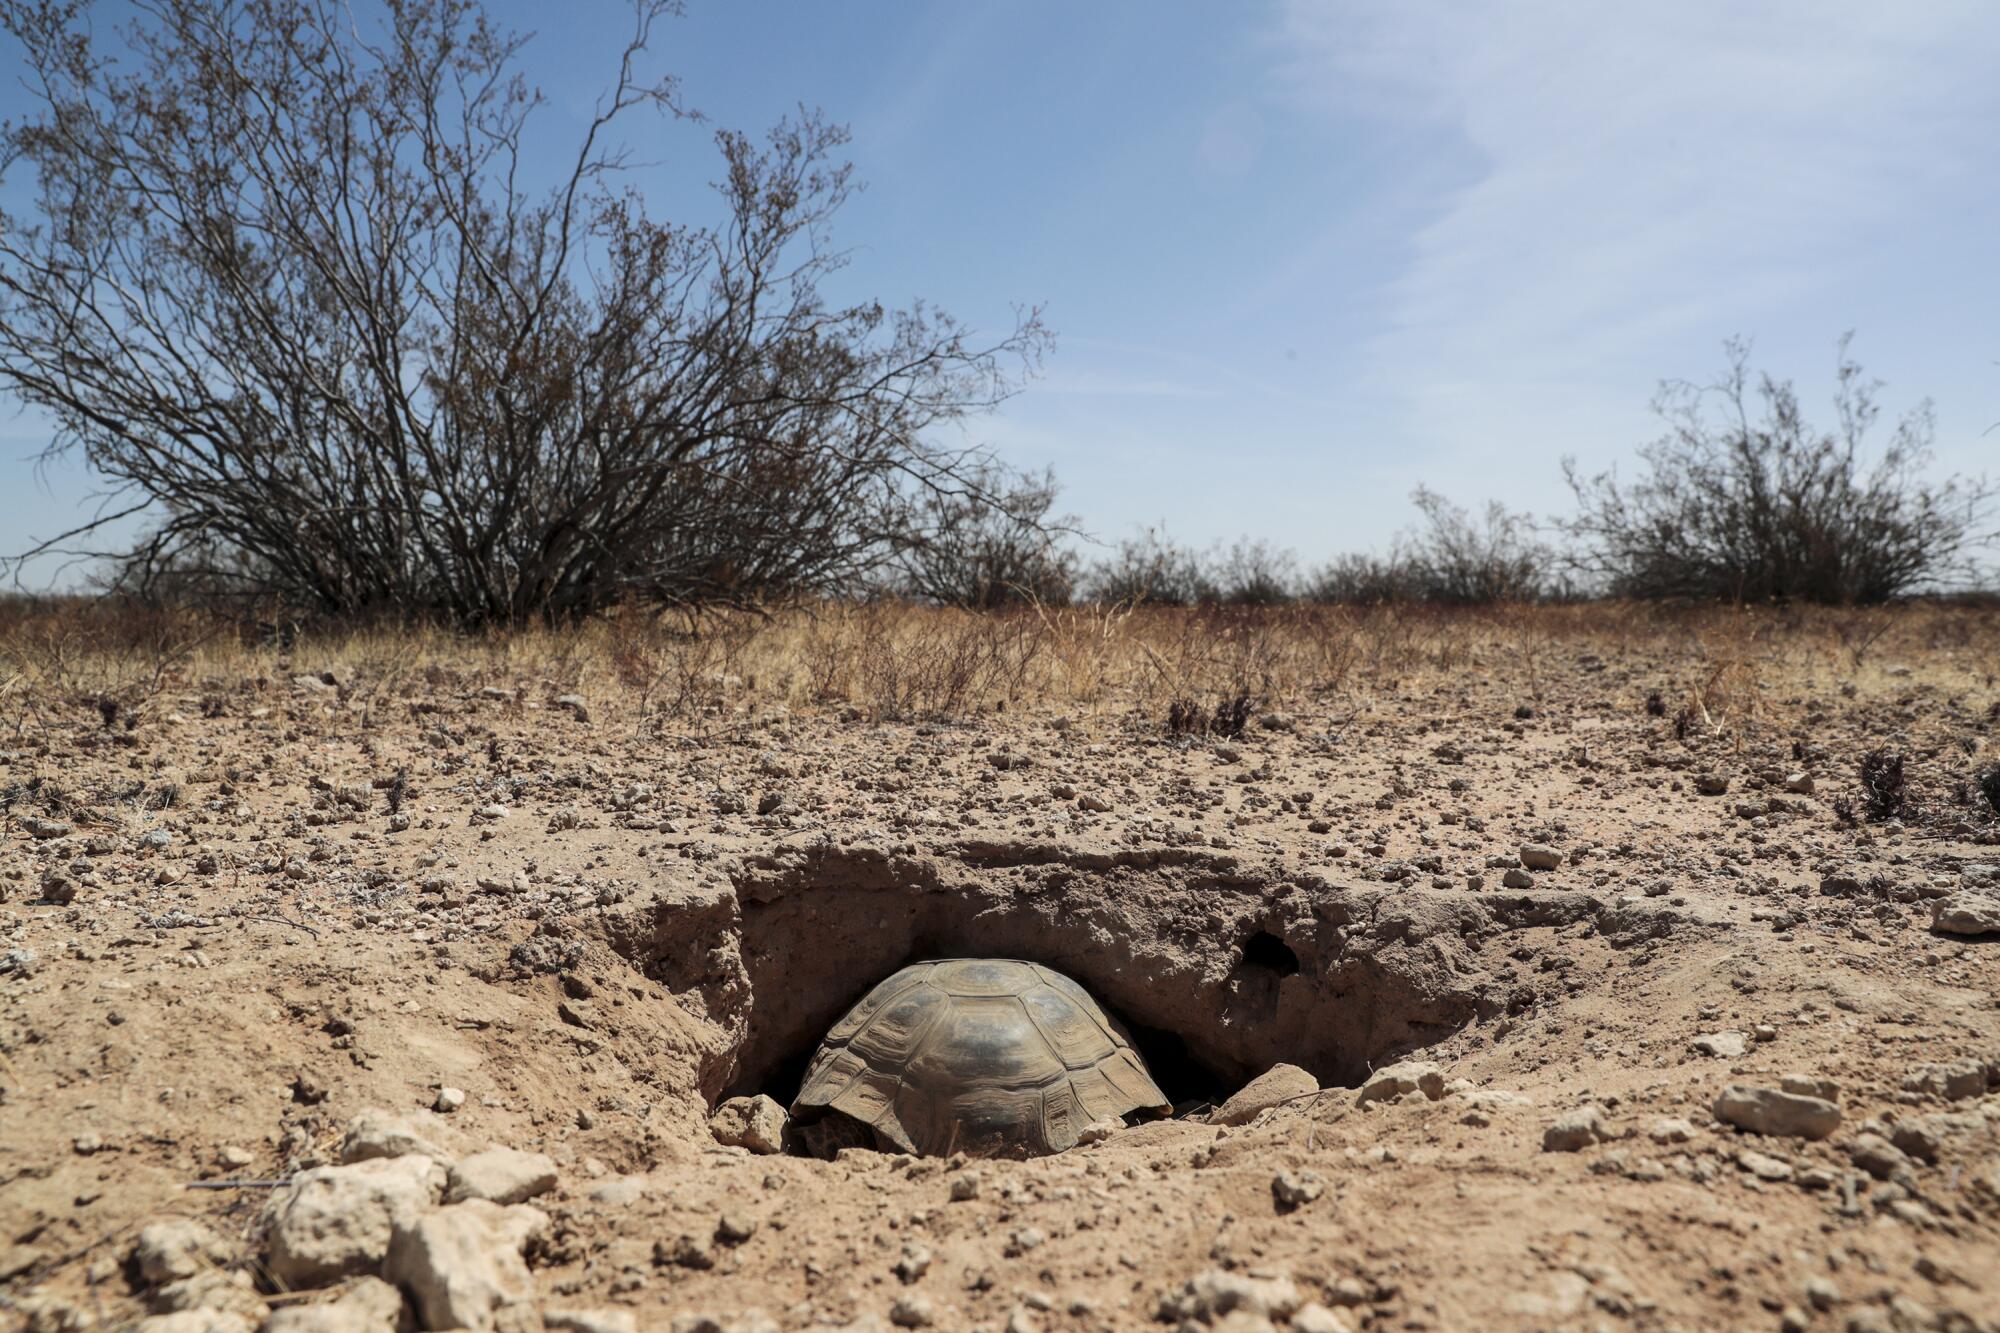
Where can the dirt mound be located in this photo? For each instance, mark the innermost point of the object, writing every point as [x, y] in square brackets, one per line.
[1220, 967]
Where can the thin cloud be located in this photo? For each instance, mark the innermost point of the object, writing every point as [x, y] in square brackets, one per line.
[1641, 179]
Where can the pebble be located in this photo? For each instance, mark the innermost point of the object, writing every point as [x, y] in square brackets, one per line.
[171, 1248]
[915, 1262]
[1392, 1082]
[1296, 1189]
[1216, 1293]
[684, 1251]
[1953, 1080]
[734, 1226]
[1763, 1166]
[566, 1319]
[756, 1123]
[1670, 1129]
[369, 1305]
[333, 1222]
[462, 1265]
[1576, 1130]
[915, 1310]
[1276, 1085]
[379, 1133]
[1722, 1045]
[1312, 1317]
[1780, 1114]
[1540, 856]
[1023, 1240]
[448, 1100]
[501, 1175]
[1100, 1129]
[1966, 914]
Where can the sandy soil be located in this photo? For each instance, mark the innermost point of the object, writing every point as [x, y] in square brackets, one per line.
[221, 947]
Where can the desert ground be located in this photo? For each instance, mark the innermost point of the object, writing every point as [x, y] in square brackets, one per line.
[356, 980]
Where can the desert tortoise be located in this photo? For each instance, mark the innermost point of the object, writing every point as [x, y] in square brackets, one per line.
[987, 1056]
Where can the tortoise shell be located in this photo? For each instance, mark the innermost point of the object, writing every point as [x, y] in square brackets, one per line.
[986, 1056]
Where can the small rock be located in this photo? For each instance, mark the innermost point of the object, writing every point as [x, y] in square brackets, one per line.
[1539, 856]
[1966, 914]
[1094, 803]
[578, 707]
[501, 1175]
[1763, 1166]
[1918, 1138]
[914, 1310]
[619, 1191]
[1578, 1129]
[1711, 784]
[1722, 1045]
[1877, 1156]
[1821, 1294]
[1799, 784]
[462, 1264]
[1312, 1317]
[1809, 1085]
[172, 1248]
[378, 1133]
[1517, 878]
[1400, 1079]
[683, 1251]
[1210, 1296]
[18, 1259]
[1278, 1084]
[756, 1123]
[1670, 1129]
[1296, 1189]
[735, 1227]
[337, 1221]
[370, 1305]
[1954, 1080]
[916, 1261]
[1023, 1240]
[1100, 1129]
[448, 1100]
[567, 1319]
[1780, 1114]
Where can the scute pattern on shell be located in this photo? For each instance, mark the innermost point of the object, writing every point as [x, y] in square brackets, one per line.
[985, 1056]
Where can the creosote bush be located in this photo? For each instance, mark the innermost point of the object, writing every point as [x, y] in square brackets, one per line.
[1743, 500]
[285, 277]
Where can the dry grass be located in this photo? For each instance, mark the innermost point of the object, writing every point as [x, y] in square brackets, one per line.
[1721, 670]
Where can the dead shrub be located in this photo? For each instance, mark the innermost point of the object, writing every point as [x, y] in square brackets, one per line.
[1884, 791]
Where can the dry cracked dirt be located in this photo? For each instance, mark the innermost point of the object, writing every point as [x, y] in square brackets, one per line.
[330, 1006]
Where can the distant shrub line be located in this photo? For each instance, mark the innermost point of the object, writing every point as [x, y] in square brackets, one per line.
[340, 353]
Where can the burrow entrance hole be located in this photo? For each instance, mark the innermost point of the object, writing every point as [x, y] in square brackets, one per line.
[1217, 974]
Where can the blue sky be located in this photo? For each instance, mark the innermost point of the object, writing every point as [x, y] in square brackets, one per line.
[1304, 255]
